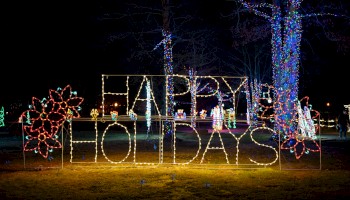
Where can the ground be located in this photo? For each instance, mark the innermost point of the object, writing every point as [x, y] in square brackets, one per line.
[324, 175]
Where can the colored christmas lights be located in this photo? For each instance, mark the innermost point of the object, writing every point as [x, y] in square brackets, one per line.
[148, 106]
[2, 118]
[46, 116]
[94, 114]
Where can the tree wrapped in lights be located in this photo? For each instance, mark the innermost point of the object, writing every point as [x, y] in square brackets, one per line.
[193, 90]
[252, 96]
[169, 82]
[286, 35]
[285, 18]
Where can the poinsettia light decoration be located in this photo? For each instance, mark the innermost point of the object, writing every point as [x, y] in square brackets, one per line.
[44, 118]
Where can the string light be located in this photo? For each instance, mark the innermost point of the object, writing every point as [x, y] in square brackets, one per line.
[46, 116]
[103, 136]
[148, 106]
[94, 114]
[63, 108]
[2, 118]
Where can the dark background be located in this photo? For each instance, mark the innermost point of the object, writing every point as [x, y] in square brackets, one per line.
[49, 44]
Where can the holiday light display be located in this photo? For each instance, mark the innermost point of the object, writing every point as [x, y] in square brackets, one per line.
[180, 114]
[168, 70]
[69, 115]
[102, 142]
[2, 118]
[303, 119]
[303, 140]
[28, 118]
[216, 131]
[46, 116]
[250, 111]
[348, 108]
[201, 91]
[133, 143]
[174, 144]
[286, 36]
[94, 114]
[193, 89]
[263, 107]
[114, 115]
[104, 93]
[203, 114]
[149, 95]
[266, 102]
[306, 124]
[263, 145]
[148, 106]
[231, 118]
[132, 115]
[65, 107]
[217, 114]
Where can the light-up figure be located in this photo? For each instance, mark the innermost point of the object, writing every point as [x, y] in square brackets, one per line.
[310, 128]
[94, 114]
[180, 114]
[114, 115]
[217, 115]
[69, 115]
[231, 118]
[203, 114]
[132, 115]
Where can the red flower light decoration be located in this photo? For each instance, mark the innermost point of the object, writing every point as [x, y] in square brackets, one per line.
[45, 118]
[67, 101]
[300, 144]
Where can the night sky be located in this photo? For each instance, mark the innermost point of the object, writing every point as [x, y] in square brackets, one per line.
[49, 44]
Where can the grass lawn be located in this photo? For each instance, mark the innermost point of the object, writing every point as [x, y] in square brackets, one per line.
[37, 178]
